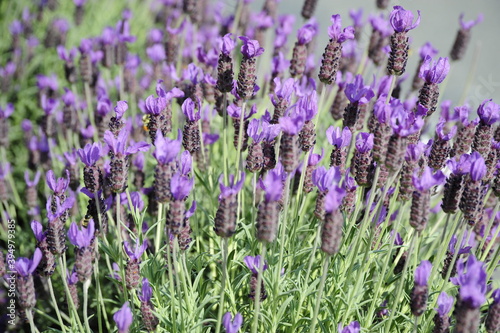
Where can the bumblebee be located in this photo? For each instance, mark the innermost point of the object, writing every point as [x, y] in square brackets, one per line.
[146, 118]
[85, 221]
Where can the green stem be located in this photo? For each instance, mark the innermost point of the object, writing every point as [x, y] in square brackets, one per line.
[90, 109]
[159, 229]
[178, 284]
[62, 272]
[171, 286]
[240, 138]
[381, 279]
[29, 315]
[223, 284]
[56, 307]
[400, 287]
[487, 232]
[320, 293]
[255, 324]
[86, 286]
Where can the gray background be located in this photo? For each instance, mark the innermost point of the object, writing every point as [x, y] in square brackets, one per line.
[439, 25]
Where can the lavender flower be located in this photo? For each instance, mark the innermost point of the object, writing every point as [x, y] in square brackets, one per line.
[24, 268]
[149, 320]
[419, 294]
[463, 37]
[441, 319]
[225, 218]
[401, 21]
[232, 326]
[123, 318]
[132, 270]
[331, 232]
[353, 327]
[81, 237]
[434, 72]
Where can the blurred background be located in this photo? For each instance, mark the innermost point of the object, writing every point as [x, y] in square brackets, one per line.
[474, 78]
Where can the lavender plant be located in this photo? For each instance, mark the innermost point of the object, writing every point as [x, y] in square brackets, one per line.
[389, 234]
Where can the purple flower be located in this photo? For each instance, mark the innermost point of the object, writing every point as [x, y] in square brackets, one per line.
[185, 163]
[444, 302]
[272, 185]
[440, 131]
[16, 27]
[227, 44]
[335, 30]
[434, 72]
[90, 154]
[333, 199]
[85, 46]
[25, 266]
[472, 282]
[404, 123]
[460, 167]
[357, 92]
[308, 105]
[324, 179]
[192, 73]
[364, 142]
[314, 159]
[427, 50]
[123, 318]
[422, 273]
[477, 166]
[382, 110]
[356, 16]
[488, 112]
[72, 277]
[253, 263]
[81, 237]
[306, 34]
[353, 327]
[398, 241]
[380, 24]
[282, 91]
[232, 326]
[180, 186]
[250, 48]
[496, 296]
[189, 110]
[35, 181]
[37, 229]
[462, 249]
[156, 53]
[146, 291]
[292, 124]
[339, 137]
[233, 188]
[135, 199]
[468, 25]
[59, 186]
[117, 145]
[48, 104]
[5, 113]
[402, 20]
[136, 252]
[166, 149]
[279, 63]
[120, 108]
[427, 180]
